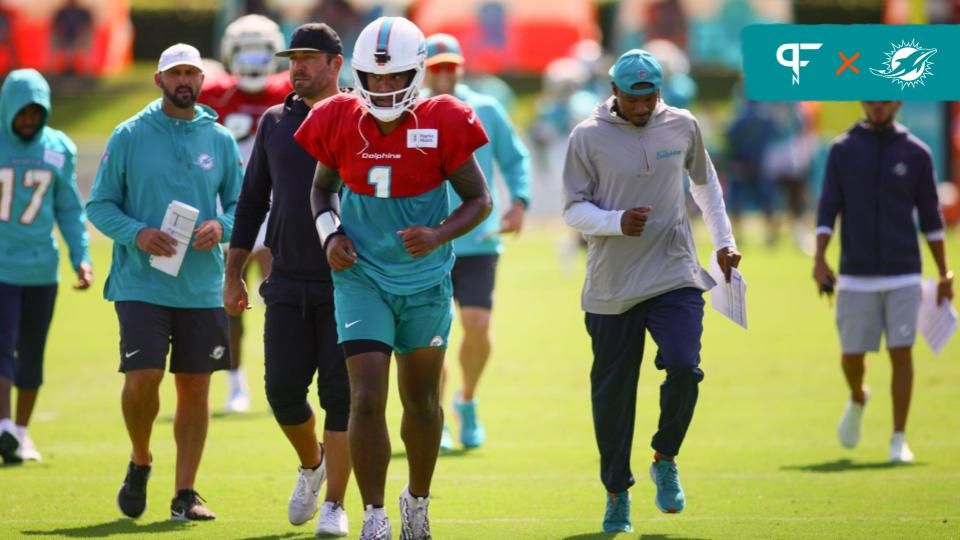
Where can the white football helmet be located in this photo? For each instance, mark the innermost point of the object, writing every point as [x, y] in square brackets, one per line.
[247, 51]
[389, 45]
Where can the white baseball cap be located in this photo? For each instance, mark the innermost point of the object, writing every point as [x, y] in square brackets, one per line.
[178, 55]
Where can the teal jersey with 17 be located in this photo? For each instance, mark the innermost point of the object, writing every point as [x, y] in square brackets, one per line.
[38, 187]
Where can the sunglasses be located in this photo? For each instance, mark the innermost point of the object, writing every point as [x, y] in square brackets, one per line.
[445, 67]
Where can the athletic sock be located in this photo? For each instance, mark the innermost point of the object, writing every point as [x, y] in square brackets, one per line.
[238, 380]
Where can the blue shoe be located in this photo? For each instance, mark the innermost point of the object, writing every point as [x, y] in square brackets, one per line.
[472, 434]
[446, 440]
[617, 516]
[669, 497]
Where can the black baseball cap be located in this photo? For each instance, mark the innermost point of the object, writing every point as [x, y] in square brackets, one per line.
[313, 37]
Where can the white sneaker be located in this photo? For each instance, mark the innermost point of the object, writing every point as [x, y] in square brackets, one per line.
[899, 451]
[238, 401]
[303, 501]
[446, 439]
[849, 429]
[414, 521]
[28, 451]
[376, 524]
[332, 520]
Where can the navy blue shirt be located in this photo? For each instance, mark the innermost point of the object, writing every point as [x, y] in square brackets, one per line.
[280, 165]
[875, 180]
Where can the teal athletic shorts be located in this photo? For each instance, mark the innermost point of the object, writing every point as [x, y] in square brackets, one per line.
[404, 322]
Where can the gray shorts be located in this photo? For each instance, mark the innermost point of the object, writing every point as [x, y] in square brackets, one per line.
[863, 316]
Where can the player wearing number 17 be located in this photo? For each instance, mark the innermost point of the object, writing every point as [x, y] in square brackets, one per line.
[391, 256]
[38, 186]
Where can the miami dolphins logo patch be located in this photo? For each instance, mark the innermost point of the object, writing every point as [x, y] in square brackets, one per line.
[205, 161]
[907, 64]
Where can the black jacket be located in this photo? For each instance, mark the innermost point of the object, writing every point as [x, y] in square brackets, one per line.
[280, 165]
[875, 180]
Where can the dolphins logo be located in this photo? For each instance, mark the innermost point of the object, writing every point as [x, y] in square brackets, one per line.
[907, 64]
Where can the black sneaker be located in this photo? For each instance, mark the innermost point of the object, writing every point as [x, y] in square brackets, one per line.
[132, 497]
[188, 506]
[8, 447]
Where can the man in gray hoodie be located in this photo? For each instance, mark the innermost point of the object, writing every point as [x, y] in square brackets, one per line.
[623, 190]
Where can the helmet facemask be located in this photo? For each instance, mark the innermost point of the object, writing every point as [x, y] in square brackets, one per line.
[401, 100]
[247, 50]
[252, 66]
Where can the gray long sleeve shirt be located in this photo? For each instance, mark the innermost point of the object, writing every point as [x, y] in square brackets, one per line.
[612, 166]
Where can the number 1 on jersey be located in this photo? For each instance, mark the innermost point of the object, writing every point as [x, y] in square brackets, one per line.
[379, 176]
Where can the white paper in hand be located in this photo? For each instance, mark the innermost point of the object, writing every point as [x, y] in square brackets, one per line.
[178, 222]
[730, 299]
[935, 323]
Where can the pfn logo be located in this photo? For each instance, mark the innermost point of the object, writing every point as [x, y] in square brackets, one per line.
[794, 62]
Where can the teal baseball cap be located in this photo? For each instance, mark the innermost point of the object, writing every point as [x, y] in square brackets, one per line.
[443, 49]
[636, 66]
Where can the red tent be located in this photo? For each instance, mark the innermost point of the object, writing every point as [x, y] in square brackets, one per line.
[27, 37]
[509, 35]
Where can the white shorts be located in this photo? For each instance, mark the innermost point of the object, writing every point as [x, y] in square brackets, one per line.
[863, 316]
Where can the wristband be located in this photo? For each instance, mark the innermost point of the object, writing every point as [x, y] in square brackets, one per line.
[328, 224]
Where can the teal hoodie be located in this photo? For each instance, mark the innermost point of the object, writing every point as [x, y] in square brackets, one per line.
[38, 186]
[513, 161]
[151, 160]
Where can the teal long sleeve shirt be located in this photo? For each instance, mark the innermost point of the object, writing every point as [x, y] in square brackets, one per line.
[151, 160]
[510, 155]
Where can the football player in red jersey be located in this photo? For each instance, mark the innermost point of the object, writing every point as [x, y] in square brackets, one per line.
[240, 96]
[387, 236]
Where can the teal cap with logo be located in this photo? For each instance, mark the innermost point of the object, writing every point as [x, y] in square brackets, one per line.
[442, 49]
[637, 66]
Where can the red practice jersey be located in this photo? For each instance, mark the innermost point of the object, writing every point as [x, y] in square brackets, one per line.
[438, 137]
[222, 94]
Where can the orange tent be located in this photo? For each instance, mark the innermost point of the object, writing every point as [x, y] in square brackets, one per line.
[509, 35]
[26, 37]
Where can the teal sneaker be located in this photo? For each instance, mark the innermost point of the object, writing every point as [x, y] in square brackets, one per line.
[472, 434]
[446, 440]
[669, 497]
[617, 516]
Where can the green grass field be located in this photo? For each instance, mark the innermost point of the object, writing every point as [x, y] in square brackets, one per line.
[761, 459]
